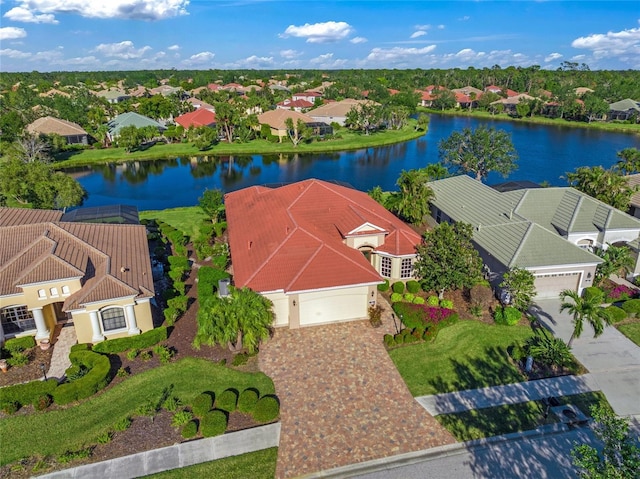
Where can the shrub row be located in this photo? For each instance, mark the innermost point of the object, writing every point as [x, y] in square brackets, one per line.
[94, 380]
[22, 394]
[632, 307]
[616, 314]
[208, 278]
[421, 316]
[141, 341]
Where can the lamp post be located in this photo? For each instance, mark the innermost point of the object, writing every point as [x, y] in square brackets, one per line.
[43, 368]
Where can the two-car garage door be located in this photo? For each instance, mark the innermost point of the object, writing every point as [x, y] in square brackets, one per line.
[333, 305]
[550, 285]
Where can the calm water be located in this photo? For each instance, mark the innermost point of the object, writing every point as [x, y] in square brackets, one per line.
[546, 154]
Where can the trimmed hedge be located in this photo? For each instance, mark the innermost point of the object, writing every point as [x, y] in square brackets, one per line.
[632, 307]
[446, 303]
[208, 278]
[179, 262]
[141, 341]
[398, 287]
[418, 300]
[384, 286]
[16, 345]
[227, 400]
[96, 379]
[248, 399]
[189, 430]
[80, 347]
[616, 314]
[413, 286]
[433, 301]
[267, 409]
[202, 404]
[214, 423]
[508, 315]
[27, 393]
[421, 317]
[409, 297]
[395, 297]
[593, 291]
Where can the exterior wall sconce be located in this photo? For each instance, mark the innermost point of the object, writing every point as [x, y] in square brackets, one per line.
[589, 275]
[294, 302]
[372, 294]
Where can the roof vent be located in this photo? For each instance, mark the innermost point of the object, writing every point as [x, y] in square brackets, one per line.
[479, 226]
[249, 244]
[123, 269]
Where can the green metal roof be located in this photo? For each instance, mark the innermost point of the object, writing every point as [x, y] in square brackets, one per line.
[129, 119]
[625, 105]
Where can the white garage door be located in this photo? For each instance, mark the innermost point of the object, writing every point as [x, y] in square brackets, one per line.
[550, 285]
[333, 305]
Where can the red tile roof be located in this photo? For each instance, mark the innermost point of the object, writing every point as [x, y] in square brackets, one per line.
[291, 238]
[200, 117]
[288, 103]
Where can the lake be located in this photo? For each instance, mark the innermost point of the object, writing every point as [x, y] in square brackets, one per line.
[546, 153]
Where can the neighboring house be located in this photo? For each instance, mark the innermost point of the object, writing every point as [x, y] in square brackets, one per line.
[549, 231]
[581, 90]
[310, 96]
[167, 90]
[131, 119]
[276, 119]
[336, 111]
[94, 276]
[624, 110]
[634, 204]
[200, 117]
[493, 89]
[113, 95]
[511, 102]
[468, 90]
[48, 125]
[295, 105]
[199, 104]
[317, 250]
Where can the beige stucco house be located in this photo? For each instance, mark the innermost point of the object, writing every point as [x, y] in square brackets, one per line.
[94, 276]
[317, 250]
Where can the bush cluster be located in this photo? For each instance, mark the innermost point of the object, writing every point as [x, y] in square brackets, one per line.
[384, 286]
[202, 403]
[616, 314]
[621, 293]
[507, 315]
[189, 430]
[18, 345]
[214, 423]
[247, 400]
[97, 377]
[266, 409]
[396, 297]
[632, 307]
[20, 395]
[398, 287]
[141, 341]
[208, 278]
[227, 400]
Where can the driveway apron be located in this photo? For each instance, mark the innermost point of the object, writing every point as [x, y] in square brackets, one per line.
[342, 399]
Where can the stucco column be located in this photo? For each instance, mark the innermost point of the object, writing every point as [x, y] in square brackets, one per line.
[1, 336]
[95, 327]
[41, 326]
[131, 319]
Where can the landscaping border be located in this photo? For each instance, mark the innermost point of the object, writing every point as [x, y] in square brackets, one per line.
[178, 455]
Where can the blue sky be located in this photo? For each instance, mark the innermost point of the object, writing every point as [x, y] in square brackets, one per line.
[49, 35]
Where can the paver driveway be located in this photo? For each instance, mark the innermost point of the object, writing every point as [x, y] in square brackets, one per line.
[342, 399]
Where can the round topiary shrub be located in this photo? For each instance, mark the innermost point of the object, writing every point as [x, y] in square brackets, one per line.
[228, 400]
[398, 287]
[214, 423]
[616, 314]
[508, 315]
[433, 301]
[632, 307]
[593, 291]
[189, 430]
[409, 297]
[384, 286]
[418, 300]
[395, 297]
[202, 404]
[267, 409]
[413, 286]
[247, 400]
[389, 341]
[446, 304]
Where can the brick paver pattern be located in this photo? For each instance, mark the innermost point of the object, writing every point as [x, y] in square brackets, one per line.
[342, 399]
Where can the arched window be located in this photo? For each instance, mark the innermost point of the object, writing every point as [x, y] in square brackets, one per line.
[113, 318]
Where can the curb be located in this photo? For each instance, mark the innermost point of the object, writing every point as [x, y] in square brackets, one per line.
[410, 458]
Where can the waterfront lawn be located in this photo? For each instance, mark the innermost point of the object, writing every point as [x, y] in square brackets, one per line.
[466, 355]
[631, 329]
[56, 431]
[256, 465]
[187, 219]
[349, 140]
[506, 419]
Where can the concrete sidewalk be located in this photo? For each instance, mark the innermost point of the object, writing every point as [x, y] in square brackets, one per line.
[507, 394]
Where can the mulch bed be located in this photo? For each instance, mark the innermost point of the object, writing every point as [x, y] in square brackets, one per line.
[144, 433]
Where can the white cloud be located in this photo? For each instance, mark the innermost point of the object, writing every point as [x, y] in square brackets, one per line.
[9, 33]
[10, 53]
[576, 58]
[173, 48]
[319, 32]
[356, 40]
[327, 61]
[463, 19]
[255, 61]
[625, 45]
[440, 27]
[418, 34]
[552, 57]
[200, 58]
[422, 27]
[125, 9]
[123, 50]
[21, 14]
[397, 53]
[290, 54]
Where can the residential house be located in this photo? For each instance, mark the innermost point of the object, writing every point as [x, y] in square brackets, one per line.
[167, 90]
[511, 102]
[309, 96]
[276, 119]
[295, 105]
[131, 119]
[94, 276]
[200, 117]
[429, 94]
[548, 231]
[336, 112]
[493, 89]
[624, 110]
[48, 125]
[113, 95]
[317, 250]
[197, 104]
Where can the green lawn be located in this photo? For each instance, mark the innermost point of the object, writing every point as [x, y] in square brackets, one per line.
[54, 432]
[349, 141]
[467, 355]
[256, 465]
[187, 219]
[494, 421]
[631, 330]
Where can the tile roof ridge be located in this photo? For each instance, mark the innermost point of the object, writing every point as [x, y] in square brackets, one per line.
[518, 250]
[42, 258]
[60, 225]
[19, 254]
[303, 268]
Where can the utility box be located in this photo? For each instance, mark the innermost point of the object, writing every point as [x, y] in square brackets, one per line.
[223, 287]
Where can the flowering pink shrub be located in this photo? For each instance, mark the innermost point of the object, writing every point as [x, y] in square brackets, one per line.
[621, 292]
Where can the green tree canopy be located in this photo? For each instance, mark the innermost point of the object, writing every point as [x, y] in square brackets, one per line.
[212, 202]
[479, 152]
[605, 185]
[412, 201]
[519, 282]
[617, 260]
[629, 161]
[447, 258]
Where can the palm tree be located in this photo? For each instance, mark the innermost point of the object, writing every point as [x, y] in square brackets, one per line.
[617, 260]
[584, 308]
